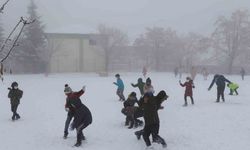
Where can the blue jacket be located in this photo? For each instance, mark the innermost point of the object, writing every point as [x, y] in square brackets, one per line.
[120, 84]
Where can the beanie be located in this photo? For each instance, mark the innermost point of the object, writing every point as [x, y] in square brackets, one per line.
[67, 89]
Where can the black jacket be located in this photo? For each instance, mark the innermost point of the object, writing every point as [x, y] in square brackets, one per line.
[15, 95]
[219, 80]
[151, 108]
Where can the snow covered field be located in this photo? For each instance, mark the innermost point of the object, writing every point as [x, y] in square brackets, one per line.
[205, 126]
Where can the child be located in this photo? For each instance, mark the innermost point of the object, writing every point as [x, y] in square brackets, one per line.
[82, 115]
[129, 109]
[189, 90]
[233, 88]
[140, 84]
[120, 87]
[151, 105]
[148, 88]
[15, 95]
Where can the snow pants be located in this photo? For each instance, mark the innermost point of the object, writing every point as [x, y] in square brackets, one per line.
[154, 131]
[14, 111]
[119, 92]
[220, 93]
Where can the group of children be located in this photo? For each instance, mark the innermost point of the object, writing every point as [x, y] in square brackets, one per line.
[147, 106]
[220, 82]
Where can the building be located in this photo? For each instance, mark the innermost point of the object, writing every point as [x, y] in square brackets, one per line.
[75, 53]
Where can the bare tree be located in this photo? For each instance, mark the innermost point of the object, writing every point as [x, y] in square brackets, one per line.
[231, 37]
[161, 46]
[113, 37]
[194, 47]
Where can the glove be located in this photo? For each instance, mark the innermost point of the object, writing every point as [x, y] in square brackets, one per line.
[67, 109]
[209, 89]
[161, 107]
[83, 88]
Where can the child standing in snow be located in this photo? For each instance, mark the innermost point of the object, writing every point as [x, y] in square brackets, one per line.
[129, 109]
[151, 105]
[15, 95]
[120, 87]
[189, 90]
[148, 88]
[220, 81]
[233, 88]
[140, 84]
[82, 115]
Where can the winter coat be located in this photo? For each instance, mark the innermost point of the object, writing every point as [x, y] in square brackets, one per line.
[140, 84]
[233, 86]
[189, 88]
[219, 80]
[148, 89]
[81, 113]
[130, 102]
[15, 95]
[119, 84]
[151, 109]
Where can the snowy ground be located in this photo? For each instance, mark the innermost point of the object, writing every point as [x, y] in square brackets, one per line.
[205, 126]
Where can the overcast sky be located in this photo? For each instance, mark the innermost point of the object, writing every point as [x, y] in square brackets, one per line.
[131, 16]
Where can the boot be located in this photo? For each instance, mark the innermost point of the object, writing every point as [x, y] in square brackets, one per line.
[13, 117]
[138, 135]
[65, 135]
[78, 144]
[17, 116]
[126, 122]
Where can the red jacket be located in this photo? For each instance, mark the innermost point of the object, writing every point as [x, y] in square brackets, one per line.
[73, 96]
[189, 88]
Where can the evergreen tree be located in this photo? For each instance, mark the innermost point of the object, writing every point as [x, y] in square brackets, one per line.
[33, 43]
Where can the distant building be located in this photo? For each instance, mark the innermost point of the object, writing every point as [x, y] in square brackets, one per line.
[75, 53]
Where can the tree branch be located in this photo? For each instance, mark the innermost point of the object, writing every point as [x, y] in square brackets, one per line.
[8, 38]
[25, 22]
[2, 8]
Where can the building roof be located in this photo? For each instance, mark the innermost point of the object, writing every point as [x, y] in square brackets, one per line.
[71, 35]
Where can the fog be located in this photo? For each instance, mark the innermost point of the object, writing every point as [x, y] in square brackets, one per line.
[158, 34]
[131, 16]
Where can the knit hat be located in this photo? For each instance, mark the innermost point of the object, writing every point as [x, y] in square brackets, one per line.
[14, 84]
[162, 94]
[133, 94]
[148, 81]
[67, 89]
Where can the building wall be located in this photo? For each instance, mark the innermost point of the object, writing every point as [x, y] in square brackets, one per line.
[75, 54]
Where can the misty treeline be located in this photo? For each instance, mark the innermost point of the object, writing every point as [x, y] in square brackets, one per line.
[226, 50]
